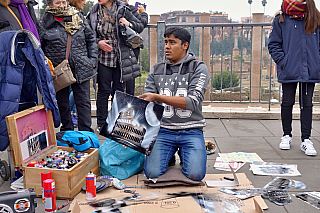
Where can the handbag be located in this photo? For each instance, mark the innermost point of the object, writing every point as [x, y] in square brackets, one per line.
[62, 74]
[131, 37]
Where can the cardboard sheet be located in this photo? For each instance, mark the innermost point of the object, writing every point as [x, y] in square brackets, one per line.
[174, 199]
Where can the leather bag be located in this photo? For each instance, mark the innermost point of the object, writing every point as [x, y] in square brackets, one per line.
[62, 74]
[131, 37]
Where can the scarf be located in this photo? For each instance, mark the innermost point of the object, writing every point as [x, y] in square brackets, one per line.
[26, 19]
[108, 17]
[70, 27]
[294, 9]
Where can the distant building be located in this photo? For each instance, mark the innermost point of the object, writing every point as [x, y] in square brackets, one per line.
[188, 17]
[267, 18]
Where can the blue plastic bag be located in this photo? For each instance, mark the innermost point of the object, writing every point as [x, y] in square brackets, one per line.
[119, 162]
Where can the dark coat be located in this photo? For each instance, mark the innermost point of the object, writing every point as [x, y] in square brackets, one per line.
[128, 61]
[8, 21]
[83, 52]
[22, 71]
[296, 53]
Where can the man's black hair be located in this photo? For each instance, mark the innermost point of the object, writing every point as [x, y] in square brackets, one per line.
[179, 33]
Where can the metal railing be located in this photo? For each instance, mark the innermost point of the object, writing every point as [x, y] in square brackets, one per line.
[241, 69]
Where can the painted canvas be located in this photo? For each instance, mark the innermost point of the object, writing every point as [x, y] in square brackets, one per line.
[134, 122]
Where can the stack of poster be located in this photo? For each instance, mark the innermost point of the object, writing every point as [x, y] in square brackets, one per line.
[221, 165]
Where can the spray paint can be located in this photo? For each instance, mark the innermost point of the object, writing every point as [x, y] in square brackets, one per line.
[49, 195]
[91, 186]
[44, 176]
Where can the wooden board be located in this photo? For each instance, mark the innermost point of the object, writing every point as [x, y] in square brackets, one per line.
[26, 123]
[68, 181]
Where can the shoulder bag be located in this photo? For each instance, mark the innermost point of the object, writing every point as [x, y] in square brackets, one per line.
[62, 74]
[131, 37]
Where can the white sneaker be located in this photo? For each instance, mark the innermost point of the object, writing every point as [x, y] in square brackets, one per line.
[307, 147]
[285, 142]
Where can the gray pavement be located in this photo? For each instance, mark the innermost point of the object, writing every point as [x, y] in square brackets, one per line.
[262, 137]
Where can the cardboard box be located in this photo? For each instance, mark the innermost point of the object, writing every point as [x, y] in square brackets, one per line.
[175, 198]
[36, 122]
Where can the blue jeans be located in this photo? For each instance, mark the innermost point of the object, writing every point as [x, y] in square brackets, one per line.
[193, 153]
[71, 101]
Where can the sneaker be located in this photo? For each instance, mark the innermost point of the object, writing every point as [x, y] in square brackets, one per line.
[74, 118]
[99, 129]
[285, 142]
[307, 147]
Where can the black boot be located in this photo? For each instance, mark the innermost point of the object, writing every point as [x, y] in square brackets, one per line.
[172, 161]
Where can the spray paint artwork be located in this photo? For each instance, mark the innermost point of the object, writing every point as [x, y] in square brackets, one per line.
[134, 122]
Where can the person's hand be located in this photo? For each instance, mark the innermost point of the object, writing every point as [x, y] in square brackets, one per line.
[124, 21]
[141, 9]
[149, 97]
[103, 44]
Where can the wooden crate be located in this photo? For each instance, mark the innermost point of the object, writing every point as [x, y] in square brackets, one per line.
[68, 182]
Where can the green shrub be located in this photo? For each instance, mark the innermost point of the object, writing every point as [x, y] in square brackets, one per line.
[216, 82]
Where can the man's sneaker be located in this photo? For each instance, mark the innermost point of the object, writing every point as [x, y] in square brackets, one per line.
[307, 147]
[285, 142]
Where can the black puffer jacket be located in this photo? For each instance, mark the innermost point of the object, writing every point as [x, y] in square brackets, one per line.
[84, 49]
[128, 61]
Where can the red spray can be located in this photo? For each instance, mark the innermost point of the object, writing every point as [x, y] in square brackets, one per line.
[44, 176]
[49, 195]
[91, 186]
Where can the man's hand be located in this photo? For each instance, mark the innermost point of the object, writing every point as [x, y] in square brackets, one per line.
[149, 97]
[103, 44]
[175, 101]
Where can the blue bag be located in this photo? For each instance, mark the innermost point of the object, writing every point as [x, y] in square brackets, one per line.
[119, 162]
[79, 140]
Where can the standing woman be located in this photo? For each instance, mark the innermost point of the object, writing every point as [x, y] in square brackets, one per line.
[140, 14]
[58, 21]
[294, 45]
[117, 61]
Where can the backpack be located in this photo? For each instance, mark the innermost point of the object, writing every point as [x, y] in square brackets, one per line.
[79, 140]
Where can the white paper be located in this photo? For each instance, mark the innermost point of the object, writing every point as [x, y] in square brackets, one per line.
[275, 169]
[240, 157]
[235, 182]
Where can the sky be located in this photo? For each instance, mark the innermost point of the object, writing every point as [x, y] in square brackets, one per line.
[234, 8]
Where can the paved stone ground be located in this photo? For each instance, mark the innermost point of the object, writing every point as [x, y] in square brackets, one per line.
[262, 137]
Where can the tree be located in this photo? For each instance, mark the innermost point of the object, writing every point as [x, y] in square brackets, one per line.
[87, 6]
[44, 6]
[226, 80]
[144, 60]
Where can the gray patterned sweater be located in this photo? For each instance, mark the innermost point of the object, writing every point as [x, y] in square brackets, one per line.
[188, 78]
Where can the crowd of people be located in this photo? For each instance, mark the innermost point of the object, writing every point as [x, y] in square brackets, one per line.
[99, 51]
